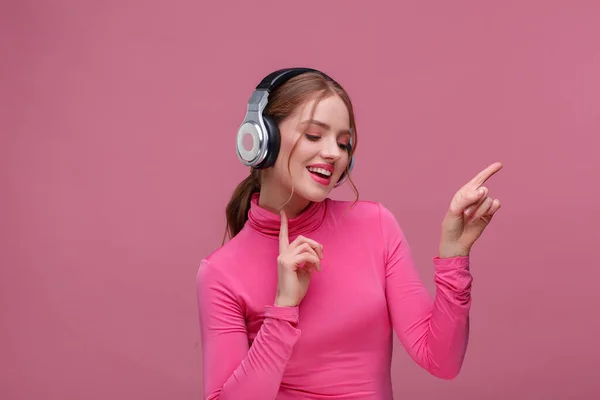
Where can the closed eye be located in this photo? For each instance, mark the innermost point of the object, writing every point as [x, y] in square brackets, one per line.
[314, 138]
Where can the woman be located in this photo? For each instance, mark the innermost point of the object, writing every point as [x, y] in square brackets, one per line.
[302, 301]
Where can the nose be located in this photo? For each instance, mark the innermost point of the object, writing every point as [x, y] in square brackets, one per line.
[331, 150]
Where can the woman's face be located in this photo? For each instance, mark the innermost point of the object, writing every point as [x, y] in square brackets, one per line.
[320, 155]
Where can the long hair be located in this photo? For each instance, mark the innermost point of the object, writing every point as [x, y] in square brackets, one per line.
[283, 102]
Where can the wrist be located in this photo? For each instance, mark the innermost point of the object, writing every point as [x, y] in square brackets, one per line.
[451, 251]
[452, 255]
[283, 302]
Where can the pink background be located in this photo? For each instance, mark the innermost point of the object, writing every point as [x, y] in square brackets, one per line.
[117, 159]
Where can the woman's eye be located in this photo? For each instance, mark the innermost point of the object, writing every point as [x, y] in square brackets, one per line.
[312, 137]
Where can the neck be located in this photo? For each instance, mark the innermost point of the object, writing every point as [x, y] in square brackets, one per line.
[272, 199]
[267, 221]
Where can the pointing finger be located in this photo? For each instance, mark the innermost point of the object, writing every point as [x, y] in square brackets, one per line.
[284, 240]
[486, 174]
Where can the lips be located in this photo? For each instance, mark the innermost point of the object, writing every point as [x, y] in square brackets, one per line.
[327, 167]
[321, 173]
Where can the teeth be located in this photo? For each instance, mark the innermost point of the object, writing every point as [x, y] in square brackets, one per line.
[320, 171]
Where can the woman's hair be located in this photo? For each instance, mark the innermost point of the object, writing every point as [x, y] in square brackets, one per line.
[282, 103]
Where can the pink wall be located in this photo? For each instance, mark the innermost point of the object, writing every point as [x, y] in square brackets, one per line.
[111, 193]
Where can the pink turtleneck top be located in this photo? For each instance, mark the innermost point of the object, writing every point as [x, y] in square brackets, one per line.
[337, 344]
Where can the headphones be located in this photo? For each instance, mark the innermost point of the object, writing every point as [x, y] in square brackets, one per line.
[264, 131]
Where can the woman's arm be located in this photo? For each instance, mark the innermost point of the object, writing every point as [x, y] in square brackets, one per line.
[435, 332]
[231, 368]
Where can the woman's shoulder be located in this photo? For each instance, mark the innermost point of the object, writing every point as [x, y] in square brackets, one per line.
[224, 259]
[362, 211]
[372, 218]
[367, 215]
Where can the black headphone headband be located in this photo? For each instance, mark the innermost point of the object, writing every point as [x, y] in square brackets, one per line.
[275, 79]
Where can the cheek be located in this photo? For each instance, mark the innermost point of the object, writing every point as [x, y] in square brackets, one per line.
[344, 159]
[295, 162]
[288, 159]
[285, 149]
[293, 150]
[303, 154]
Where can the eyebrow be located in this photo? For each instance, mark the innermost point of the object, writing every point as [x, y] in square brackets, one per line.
[324, 126]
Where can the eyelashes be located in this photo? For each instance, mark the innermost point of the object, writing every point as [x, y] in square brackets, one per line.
[314, 138]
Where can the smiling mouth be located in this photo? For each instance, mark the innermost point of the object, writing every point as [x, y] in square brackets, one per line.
[320, 172]
[320, 175]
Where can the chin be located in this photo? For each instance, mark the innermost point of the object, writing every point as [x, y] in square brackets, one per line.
[313, 195]
[312, 190]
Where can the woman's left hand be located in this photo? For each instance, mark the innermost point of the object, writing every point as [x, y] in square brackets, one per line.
[470, 212]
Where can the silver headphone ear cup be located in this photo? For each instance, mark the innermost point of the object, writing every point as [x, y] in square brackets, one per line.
[255, 155]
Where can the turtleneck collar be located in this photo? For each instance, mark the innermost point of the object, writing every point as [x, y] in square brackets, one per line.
[268, 223]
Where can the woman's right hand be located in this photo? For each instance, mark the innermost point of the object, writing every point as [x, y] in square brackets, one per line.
[295, 265]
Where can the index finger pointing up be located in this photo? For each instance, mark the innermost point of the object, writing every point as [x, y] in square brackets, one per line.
[484, 175]
[284, 240]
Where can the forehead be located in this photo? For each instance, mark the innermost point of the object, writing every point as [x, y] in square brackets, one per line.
[331, 110]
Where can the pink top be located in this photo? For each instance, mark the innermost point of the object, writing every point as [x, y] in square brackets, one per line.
[337, 344]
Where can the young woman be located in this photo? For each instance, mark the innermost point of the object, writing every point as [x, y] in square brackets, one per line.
[302, 302]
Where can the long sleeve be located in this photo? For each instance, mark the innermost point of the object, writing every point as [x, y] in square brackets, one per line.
[231, 368]
[435, 331]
